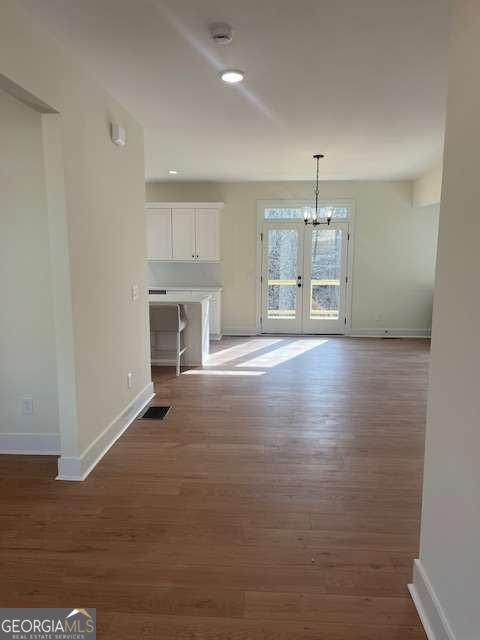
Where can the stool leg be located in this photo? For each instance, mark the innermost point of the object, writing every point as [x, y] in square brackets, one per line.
[178, 354]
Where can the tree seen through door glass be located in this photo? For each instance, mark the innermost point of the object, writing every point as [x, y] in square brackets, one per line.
[326, 271]
[282, 273]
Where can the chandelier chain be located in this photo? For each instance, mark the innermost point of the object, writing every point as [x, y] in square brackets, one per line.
[309, 219]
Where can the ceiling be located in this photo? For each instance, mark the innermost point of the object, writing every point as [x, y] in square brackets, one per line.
[362, 81]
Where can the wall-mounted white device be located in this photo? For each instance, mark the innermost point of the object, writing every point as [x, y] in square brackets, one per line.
[119, 135]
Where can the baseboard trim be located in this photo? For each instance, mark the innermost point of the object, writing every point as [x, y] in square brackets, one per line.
[30, 444]
[389, 333]
[241, 332]
[429, 609]
[77, 469]
[353, 333]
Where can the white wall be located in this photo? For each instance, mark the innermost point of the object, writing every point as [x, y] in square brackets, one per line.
[105, 193]
[27, 340]
[450, 533]
[427, 188]
[395, 245]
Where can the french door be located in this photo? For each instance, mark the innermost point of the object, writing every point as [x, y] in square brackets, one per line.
[282, 298]
[304, 277]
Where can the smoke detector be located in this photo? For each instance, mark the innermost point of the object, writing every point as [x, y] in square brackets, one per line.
[221, 33]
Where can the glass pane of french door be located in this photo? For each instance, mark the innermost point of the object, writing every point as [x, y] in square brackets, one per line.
[326, 271]
[325, 275]
[282, 262]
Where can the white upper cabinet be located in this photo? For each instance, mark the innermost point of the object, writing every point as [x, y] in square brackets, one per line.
[186, 232]
[206, 234]
[159, 234]
[183, 234]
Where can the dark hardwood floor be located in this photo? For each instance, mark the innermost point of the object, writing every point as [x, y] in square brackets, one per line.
[279, 500]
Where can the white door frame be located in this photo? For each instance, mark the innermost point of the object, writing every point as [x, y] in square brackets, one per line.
[261, 204]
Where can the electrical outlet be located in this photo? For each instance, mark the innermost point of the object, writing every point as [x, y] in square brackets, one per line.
[27, 406]
[135, 292]
[129, 379]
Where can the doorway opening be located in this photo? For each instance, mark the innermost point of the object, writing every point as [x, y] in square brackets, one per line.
[304, 271]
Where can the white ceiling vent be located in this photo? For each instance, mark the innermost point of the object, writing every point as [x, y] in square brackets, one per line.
[221, 33]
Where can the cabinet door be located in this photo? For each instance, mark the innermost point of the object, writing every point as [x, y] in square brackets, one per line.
[159, 234]
[206, 232]
[183, 234]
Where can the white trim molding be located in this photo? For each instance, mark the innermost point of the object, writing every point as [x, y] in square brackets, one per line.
[429, 609]
[71, 468]
[389, 333]
[31, 444]
[184, 205]
[241, 332]
[61, 281]
[354, 333]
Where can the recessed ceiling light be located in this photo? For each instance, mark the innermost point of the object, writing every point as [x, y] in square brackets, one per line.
[232, 76]
[173, 172]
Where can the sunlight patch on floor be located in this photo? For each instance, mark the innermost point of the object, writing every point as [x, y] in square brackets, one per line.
[283, 354]
[239, 351]
[221, 372]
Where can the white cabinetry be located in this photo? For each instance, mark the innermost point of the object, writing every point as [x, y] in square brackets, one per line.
[159, 234]
[206, 234]
[183, 232]
[216, 315]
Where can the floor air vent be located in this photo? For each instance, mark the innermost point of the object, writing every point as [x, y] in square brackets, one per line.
[155, 413]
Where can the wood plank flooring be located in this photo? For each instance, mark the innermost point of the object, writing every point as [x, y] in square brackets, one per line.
[279, 500]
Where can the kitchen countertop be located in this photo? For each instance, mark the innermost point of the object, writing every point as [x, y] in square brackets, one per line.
[178, 298]
[184, 287]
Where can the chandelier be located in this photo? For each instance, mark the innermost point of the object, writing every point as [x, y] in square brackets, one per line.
[310, 218]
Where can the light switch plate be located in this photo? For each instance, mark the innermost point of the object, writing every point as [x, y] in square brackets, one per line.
[134, 292]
